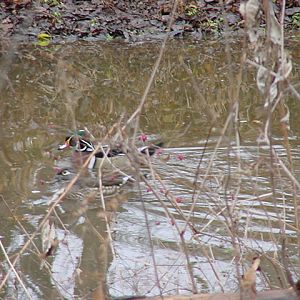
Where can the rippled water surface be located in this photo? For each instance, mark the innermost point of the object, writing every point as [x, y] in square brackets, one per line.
[49, 91]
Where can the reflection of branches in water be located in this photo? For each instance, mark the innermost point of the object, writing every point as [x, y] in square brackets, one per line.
[230, 209]
[103, 101]
[8, 49]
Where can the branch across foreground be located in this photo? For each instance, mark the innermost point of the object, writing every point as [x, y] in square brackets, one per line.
[287, 294]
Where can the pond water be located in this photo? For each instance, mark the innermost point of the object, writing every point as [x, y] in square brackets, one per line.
[46, 92]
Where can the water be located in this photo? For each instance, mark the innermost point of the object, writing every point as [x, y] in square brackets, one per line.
[50, 90]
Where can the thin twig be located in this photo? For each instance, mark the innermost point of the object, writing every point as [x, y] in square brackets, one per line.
[14, 270]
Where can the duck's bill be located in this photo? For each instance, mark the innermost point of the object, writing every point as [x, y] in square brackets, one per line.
[64, 146]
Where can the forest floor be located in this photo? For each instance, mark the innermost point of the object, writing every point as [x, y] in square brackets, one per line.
[30, 20]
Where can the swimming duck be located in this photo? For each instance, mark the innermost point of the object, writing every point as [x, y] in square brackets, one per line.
[85, 186]
[112, 156]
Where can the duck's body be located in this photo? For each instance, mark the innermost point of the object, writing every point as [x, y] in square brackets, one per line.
[106, 157]
[90, 186]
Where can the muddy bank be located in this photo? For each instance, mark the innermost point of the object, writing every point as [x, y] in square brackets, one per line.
[123, 19]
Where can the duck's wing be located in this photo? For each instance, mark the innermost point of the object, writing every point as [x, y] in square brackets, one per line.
[117, 180]
[110, 153]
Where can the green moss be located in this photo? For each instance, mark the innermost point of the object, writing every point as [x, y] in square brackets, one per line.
[52, 2]
[296, 20]
[191, 11]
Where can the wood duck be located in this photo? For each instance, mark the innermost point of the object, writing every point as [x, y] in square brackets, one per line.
[85, 186]
[115, 156]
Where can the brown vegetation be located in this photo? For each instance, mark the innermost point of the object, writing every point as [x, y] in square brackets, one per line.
[129, 20]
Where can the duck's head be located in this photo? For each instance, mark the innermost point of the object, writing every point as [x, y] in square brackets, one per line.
[77, 143]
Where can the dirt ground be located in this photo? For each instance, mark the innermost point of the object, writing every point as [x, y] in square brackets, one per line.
[131, 20]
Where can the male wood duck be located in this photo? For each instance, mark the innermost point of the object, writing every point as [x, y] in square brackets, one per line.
[111, 156]
[110, 184]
